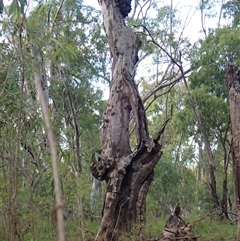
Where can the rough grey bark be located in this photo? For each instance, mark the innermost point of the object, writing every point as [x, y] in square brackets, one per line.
[233, 85]
[127, 173]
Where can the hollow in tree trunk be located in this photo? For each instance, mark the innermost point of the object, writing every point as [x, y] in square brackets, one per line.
[127, 173]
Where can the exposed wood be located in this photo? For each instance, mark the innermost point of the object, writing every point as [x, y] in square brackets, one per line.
[127, 173]
[176, 228]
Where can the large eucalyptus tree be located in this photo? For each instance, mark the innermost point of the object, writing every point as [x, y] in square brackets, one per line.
[128, 173]
[233, 84]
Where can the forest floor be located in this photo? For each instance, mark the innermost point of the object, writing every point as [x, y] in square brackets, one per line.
[207, 229]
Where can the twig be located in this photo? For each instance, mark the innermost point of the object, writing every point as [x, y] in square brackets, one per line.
[56, 15]
[177, 63]
[204, 216]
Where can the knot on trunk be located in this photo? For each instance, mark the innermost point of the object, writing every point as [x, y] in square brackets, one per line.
[101, 167]
[232, 77]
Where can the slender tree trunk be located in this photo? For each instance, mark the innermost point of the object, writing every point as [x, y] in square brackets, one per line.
[95, 194]
[42, 87]
[224, 202]
[127, 174]
[210, 158]
[233, 85]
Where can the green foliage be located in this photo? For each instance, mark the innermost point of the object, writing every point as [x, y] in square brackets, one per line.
[69, 49]
[231, 10]
[211, 228]
[220, 46]
[72, 59]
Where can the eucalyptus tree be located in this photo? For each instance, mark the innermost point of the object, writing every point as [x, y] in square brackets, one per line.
[231, 12]
[175, 174]
[209, 95]
[127, 168]
[232, 83]
[128, 173]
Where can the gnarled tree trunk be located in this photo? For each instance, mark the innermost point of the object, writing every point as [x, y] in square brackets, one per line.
[127, 173]
[233, 85]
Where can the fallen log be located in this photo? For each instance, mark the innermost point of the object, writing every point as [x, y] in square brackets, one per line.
[176, 229]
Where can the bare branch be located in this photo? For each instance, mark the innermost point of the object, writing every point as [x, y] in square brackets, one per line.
[35, 183]
[177, 63]
[203, 19]
[56, 15]
[141, 8]
[161, 86]
[157, 96]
